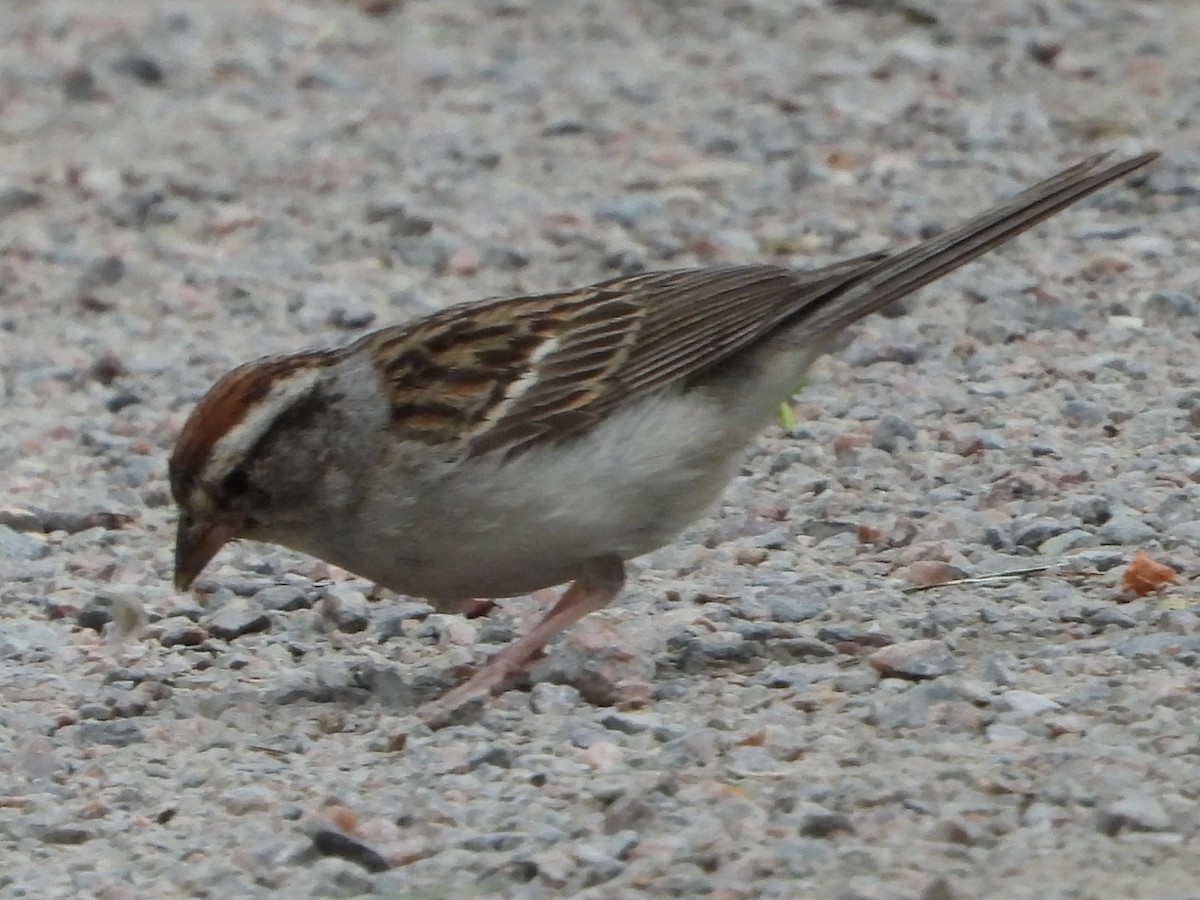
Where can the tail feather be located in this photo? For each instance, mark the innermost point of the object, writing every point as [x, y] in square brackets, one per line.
[899, 274]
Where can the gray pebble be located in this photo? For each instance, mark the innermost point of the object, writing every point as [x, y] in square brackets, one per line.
[1108, 616]
[1065, 542]
[20, 637]
[1026, 703]
[1168, 307]
[1138, 812]
[631, 210]
[794, 609]
[62, 833]
[1039, 530]
[918, 659]
[331, 305]
[889, 431]
[15, 545]
[283, 598]
[396, 612]
[336, 878]
[819, 822]
[426, 252]
[1125, 529]
[249, 798]
[1083, 413]
[550, 699]
[180, 631]
[1157, 645]
[14, 199]
[237, 617]
[117, 733]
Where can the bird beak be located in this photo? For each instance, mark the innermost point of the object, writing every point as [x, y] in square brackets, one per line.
[196, 543]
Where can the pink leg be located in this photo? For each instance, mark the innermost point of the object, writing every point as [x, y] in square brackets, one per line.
[595, 588]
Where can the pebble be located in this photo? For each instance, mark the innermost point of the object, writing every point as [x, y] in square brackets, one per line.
[1125, 529]
[283, 598]
[329, 305]
[1166, 308]
[914, 660]
[793, 609]
[553, 699]
[14, 199]
[1026, 703]
[236, 618]
[1137, 812]
[1064, 543]
[17, 546]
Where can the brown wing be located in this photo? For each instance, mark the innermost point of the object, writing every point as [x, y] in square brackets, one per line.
[502, 374]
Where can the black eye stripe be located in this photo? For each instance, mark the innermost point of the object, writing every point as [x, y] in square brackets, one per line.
[235, 483]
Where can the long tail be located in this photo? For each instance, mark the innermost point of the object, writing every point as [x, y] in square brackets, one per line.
[894, 276]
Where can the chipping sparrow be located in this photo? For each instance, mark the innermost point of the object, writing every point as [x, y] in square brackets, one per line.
[499, 447]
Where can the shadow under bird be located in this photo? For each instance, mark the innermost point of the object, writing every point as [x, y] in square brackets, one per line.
[503, 446]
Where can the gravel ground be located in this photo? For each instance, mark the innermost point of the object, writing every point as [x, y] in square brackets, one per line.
[767, 712]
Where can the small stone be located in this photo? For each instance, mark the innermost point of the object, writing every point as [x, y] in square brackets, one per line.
[1064, 543]
[283, 598]
[1026, 703]
[100, 273]
[15, 199]
[336, 878]
[95, 711]
[938, 889]
[325, 305]
[698, 653]
[627, 812]
[1168, 307]
[889, 431]
[1125, 529]
[143, 68]
[927, 572]
[596, 863]
[180, 631]
[1152, 645]
[1139, 812]
[24, 547]
[818, 822]
[392, 209]
[849, 636]
[632, 723]
[914, 660]
[79, 85]
[1003, 733]
[1034, 533]
[961, 830]
[346, 608]
[18, 637]
[1080, 413]
[237, 617]
[63, 834]
[793, 609]
[631, 210]
[1093, 510]
[117, 733]
[328, 842]
[553, 699]
[250, 798]
[1109, 616]
[500, 757]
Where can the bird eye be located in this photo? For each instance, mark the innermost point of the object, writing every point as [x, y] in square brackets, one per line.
[235, 483]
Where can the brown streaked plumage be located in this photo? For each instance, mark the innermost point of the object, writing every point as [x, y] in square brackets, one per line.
[502, 446]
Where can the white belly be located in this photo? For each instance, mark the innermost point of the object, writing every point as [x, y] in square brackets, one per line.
[495, 528]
